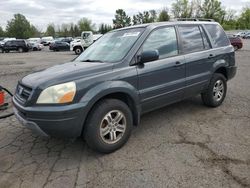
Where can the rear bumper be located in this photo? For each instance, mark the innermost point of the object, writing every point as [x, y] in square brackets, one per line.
[231, 72]
[59, 121]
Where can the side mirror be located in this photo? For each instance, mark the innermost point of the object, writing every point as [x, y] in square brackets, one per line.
[148, 56]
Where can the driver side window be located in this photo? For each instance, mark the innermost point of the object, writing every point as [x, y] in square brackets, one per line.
[163, 40]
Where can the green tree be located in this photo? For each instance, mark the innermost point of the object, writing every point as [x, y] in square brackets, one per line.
[19, 27]
[182, 9]
[2, 33]
[121, 19]
[230, 20]
[104, 28]
[34, 31]
[85, 24]
[244, 19]
[145, 17]
[163, 15]
[51, 30]
[76, 31]
[212, 9]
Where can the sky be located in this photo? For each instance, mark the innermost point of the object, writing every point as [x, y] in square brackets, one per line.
[41, 13]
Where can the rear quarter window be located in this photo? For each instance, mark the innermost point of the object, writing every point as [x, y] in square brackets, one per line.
[217, 34]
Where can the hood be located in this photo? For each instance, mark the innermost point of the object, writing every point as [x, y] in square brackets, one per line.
[64, 73]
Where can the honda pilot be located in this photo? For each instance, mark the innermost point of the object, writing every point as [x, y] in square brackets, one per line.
[126, 73]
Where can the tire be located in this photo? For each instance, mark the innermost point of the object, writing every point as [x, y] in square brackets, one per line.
[100, 119]
[1, 50]
[20, 50]
[216, 92]
[35, 49]
[78, 51]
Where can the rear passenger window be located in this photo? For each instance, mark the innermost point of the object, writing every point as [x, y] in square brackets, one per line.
[217, 34]
[205, 39]
[164, 40]
[191, 39]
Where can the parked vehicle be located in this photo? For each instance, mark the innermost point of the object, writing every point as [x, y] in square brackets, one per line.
[59, 46]
[236, 42]
[241, 34]
[126, 73]
[247, 36]
[34, 40]
[19, 45]
[36, 46]
[6, 39]
[87, 38]
[46, 41]
[67, 39]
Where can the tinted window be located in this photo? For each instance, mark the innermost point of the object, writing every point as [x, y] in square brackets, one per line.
[164, 40]
[218, 35]
[8, 43]
[205, 39]
[20, 42]
[191, 38]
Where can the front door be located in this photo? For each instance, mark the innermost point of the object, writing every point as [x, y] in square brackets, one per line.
[162, 81]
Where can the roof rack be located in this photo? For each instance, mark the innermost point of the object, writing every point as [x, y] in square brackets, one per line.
[193, 19]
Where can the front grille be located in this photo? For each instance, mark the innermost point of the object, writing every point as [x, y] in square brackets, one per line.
[23, 92]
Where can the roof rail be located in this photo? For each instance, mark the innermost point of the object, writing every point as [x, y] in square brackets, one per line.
[193, 19]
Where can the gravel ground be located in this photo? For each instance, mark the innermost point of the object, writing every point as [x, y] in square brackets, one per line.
[182, 145]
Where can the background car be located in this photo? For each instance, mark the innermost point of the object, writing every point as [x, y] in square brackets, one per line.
[6, 39]
[46, 41]
[241, 34]
[59, 46]
[236, 42]
[247, 36]
[67, 39]
[35, 46]
[19, 45]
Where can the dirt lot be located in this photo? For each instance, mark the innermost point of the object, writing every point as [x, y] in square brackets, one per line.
[182, 145]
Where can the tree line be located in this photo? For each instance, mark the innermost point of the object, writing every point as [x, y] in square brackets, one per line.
[20, 27]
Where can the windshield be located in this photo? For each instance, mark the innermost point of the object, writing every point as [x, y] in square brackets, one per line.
[111, 47]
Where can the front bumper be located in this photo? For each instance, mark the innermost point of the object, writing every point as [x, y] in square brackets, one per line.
[59, 121]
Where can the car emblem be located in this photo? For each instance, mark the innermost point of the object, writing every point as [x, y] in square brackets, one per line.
[20, 90]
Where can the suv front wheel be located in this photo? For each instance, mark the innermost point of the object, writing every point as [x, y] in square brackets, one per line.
[216, 92]
[108, 126]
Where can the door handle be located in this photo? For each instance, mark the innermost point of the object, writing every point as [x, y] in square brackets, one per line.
[177, 64]
[210, 56]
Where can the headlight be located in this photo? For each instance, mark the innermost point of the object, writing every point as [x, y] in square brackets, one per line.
[58, 94]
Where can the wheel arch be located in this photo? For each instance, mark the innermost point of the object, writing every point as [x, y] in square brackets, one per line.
[222, 70]
[116, 90]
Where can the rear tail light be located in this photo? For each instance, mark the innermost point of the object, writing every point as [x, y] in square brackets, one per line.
[1, 98]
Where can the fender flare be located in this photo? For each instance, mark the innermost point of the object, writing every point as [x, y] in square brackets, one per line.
[109, 87]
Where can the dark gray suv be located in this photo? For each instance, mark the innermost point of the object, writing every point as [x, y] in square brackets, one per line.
[127, 72]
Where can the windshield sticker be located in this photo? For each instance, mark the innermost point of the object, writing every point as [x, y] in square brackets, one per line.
[131, 34]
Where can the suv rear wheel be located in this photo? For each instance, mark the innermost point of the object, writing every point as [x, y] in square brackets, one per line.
[20, 50]
[108, 126]
[216, 92]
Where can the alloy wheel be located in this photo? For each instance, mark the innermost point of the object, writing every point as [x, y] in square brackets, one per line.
[113, 126]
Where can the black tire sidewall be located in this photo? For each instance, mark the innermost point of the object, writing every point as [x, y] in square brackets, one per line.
[20, 50]
[92, 127]
[208, 97]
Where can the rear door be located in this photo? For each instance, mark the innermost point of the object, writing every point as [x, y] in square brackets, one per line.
[198, 56]
[162, 81]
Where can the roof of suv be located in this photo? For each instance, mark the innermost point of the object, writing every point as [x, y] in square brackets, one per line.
[157, 24]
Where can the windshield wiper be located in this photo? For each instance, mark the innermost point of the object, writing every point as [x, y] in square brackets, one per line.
[92, 60]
